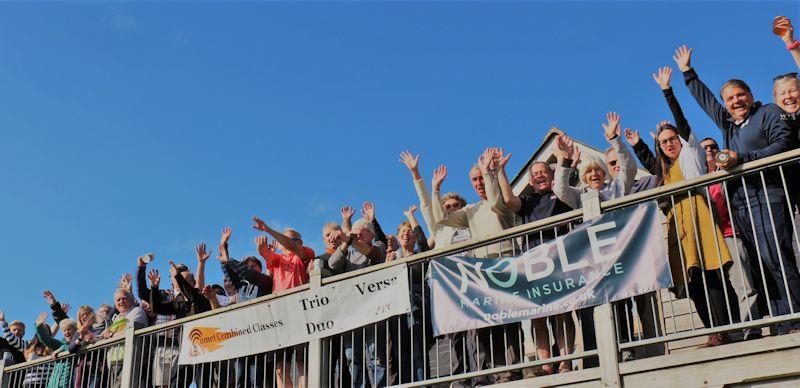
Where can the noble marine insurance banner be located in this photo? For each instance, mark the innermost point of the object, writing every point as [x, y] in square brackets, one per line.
[297, 318]
[615, 256]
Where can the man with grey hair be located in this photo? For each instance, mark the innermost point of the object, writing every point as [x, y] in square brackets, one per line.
[290, 267]
[485, 218]
[332, 237]
[128, 315]
[357, 250]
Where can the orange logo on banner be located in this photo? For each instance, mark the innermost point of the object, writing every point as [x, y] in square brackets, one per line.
[208, 339]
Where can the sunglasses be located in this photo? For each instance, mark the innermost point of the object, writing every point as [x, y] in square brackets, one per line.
[712, 146]
[451, 205]
[787, 75]
[612, 163]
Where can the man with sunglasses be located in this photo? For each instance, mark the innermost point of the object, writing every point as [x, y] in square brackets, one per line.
[751, 131]
[290, 267]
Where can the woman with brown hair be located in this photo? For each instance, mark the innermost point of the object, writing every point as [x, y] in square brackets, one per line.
[699, 257]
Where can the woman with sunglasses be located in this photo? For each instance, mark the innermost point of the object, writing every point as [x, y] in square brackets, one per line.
[696, 245]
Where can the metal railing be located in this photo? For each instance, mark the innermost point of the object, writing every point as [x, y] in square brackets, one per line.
[403, 351]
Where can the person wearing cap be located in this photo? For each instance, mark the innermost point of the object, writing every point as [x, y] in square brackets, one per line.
[751, 131]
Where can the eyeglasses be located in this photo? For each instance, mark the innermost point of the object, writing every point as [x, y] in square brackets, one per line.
[671, 139]
[612, 163]
[787, 75]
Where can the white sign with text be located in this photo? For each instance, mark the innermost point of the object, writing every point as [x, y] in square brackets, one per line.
[297, 318]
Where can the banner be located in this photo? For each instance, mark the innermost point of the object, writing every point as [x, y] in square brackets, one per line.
[615, 256]
[297, 318]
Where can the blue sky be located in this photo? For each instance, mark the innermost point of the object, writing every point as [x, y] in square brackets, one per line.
[130, 128]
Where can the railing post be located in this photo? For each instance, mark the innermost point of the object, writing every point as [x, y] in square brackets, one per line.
[2, 371]
[314, 360]
[604, 331]
[127, 361]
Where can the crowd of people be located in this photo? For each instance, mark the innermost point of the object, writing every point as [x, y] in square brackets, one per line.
[732, 254]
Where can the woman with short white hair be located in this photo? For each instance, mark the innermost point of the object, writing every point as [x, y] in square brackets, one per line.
[592, 172]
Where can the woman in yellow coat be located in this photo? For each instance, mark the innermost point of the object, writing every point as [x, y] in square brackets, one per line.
[699, 257]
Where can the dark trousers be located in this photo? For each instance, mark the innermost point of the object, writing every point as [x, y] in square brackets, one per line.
[586, 317]
[775, 271]
[714, 310]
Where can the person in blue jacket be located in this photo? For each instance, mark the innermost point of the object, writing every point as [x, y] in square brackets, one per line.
[751, 131]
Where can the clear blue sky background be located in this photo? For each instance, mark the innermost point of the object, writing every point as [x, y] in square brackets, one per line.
[129, 128]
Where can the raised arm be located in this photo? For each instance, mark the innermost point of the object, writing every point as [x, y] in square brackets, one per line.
[14, 341]
[347, 218]
[157, 303]
[699, 90]
[202, 256]
[412, 164]
[44, 334]
[488, 165]
[511, 201]
[642, 151]
[58, 312]
[783, 25]
[568, 159]
[141, 284]
[368, 213]
[287, 242]
[456, 219]
[612, 131]
[662, 78]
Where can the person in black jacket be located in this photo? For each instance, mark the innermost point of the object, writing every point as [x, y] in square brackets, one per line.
[539, 204]
[250, 283]
[752, 131]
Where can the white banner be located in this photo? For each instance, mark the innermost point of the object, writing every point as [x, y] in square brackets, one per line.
[297, 318]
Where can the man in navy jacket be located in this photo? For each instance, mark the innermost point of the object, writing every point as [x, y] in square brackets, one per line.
[752, 131]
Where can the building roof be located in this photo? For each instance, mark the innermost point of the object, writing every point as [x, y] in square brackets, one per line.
[547, 153]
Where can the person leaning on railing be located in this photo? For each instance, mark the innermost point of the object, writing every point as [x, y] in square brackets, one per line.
[289, 269]
[786, 94]
[594, 176]
[37, 375]
[249, 282]
[12, 342]
[359, 249]
[752, 131]
[440, 235]
[538, 205]
[61, 375]
[332, 237]
[694, 236]
[410, 240]
[127, 315]
[485, 218]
